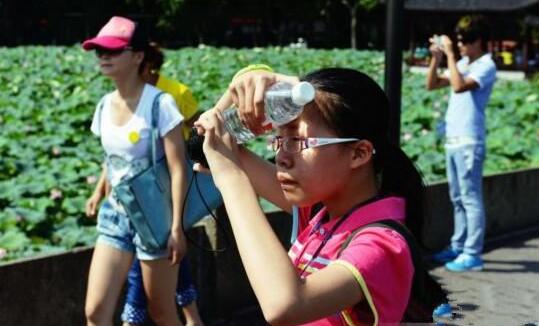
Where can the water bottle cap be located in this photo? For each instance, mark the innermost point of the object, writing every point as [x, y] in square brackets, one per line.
[302, 93]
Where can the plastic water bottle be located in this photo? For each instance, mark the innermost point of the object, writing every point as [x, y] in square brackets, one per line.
[282, 104]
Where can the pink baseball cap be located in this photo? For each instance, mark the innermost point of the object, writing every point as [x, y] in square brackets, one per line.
[116, 34]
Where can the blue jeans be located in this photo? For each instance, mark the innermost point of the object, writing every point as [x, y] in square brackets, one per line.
[135, 311]
[116, 230]
[464, 164]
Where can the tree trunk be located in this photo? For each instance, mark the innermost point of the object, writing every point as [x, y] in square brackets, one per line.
[353, 25]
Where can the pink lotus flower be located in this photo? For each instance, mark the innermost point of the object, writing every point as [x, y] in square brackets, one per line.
[91, 179]
[55, 194]
[3, 253]
[56, 151]
[19, 218]
[407, 136]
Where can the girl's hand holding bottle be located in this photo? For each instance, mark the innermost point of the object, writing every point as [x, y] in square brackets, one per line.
[247, 94]
[254, 102]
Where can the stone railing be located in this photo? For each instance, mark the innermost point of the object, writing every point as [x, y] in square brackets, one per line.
[50, 290]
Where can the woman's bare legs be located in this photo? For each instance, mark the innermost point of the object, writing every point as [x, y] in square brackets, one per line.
[160, 286]
[106, 278]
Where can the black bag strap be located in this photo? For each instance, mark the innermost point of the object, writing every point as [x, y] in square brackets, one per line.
[389, 224]
[405, 233]
[424, 287]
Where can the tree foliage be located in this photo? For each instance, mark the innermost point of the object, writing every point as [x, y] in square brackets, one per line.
[167, 10]
[353, 7]
[360, 4]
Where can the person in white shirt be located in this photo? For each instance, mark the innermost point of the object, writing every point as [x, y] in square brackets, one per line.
[471, 80]
[123, 121]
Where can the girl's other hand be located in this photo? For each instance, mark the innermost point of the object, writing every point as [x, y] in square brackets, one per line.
[219, 146]
[198, 125]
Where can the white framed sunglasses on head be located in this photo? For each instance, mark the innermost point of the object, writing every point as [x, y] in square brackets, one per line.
[297, 144]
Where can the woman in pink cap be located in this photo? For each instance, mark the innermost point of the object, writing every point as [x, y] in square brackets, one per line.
[123, 122]
[134, 311]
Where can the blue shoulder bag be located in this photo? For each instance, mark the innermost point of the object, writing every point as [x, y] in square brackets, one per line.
[147, 200]
[146, 197]
[202, 197]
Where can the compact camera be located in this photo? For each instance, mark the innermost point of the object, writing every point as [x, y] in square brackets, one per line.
[194, 148]
[437, 40]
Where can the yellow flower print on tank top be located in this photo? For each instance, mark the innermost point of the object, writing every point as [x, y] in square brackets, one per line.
[134, 137]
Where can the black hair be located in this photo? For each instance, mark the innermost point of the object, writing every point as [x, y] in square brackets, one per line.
[141, 38]
[472, 28]
[141, 41]
[153, 57]
[354, 105]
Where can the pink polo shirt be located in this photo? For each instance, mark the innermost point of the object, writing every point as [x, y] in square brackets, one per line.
[378, 257]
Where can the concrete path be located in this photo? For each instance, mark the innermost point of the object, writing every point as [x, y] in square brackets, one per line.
[506, 292]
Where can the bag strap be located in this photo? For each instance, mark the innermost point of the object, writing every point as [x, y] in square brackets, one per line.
[155, 130]
[154, 123]
[415, 252]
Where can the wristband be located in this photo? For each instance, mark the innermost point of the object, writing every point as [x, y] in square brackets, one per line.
[257, 66]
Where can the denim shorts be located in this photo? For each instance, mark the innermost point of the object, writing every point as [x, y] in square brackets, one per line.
[116, 230]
